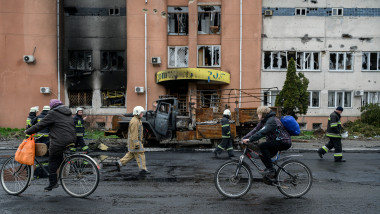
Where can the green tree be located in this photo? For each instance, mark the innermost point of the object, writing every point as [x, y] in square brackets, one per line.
[294, 98]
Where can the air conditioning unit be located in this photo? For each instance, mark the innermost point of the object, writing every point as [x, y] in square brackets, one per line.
[44, 90]
[268, 13]
[359, 93]
[139, 90]
[28, 58]
[156, 60]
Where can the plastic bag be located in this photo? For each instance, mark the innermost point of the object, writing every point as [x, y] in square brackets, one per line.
[26, 151]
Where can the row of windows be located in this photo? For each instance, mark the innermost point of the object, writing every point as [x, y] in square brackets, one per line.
[208, 20]
[208, 56]
[310, 61]
[305, 11]
[335, 98]
[110, 60]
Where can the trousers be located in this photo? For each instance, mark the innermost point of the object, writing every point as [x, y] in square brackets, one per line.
[270, 149]
[138, 156]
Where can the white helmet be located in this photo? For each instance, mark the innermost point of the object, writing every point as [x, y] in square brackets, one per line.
[137, 110]
[227, 112]
[34, 109]
[79, 109]
[46, 108]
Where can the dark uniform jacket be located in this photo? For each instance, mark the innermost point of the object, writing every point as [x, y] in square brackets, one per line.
[272, 128]
[31, 117]
[79, 128]
[37, 119]
[334, 126]
[60, 123]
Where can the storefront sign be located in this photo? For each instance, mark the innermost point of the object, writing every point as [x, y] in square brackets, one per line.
[209, 75]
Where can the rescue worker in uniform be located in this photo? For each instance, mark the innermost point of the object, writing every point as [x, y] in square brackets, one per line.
[79, 127]
[43, 135]
[62, 133]
[226, 143]
[134, 141]
[32, 115]
[334, 131]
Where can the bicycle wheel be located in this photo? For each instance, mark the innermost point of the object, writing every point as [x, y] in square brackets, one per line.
[230, 185]
[79, 176]
[294, 179]
[15, 177]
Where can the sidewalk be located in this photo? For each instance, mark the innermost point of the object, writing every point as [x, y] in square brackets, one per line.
[118, 145]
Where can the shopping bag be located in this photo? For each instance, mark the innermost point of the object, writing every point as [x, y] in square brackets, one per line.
[26, 151]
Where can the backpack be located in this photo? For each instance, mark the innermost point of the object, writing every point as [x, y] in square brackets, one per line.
[291, 125]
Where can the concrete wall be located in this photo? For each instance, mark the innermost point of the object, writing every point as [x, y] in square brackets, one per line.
[325, 35]
[25, 25]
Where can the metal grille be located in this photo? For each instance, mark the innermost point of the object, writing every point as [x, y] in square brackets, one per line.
[178, 56]
[80, 98]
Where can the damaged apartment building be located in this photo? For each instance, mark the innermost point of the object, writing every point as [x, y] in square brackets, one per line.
[336, 44]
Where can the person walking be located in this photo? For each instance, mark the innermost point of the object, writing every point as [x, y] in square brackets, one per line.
[62, 133]
[32, 115]
[226, 143]
[79, 127]
[134, 142]
[43, 135]
[334, 132]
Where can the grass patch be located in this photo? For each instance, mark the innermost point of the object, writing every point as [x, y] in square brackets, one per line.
[305, 135]
[7, 133]
[96, 134]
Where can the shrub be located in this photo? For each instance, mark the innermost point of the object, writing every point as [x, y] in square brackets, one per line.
[371, 114]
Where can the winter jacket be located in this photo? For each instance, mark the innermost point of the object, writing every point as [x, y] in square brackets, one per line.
[226, 129]
[37, 119]
[334, 126]
[79, 125]
[272, 128]
[135, 135]
[60, 123]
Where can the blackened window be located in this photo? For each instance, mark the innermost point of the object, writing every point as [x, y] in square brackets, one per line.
[178, 20]
[112, 60]
[80, 60]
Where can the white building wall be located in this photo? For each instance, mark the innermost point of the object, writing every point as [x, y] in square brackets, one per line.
[324, 34]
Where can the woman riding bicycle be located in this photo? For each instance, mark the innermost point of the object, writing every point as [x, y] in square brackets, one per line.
[62, 133]
[277, 138]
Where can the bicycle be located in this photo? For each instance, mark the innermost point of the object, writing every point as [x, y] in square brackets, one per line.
[233, 179]
[78, 175]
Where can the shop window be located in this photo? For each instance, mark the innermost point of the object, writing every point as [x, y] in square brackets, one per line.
[178, 57]
[371, 61]
[339, 98]
[337, 12]
[340, 61]
[314, 99]
[209, 19]
[269, 98]
[301, 11]
[113, 98]
[112, 60]
[178, 20]
[80, 98]
[80, 60]
[209, 56]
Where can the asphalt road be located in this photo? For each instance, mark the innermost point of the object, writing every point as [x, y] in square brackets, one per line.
[183, 182]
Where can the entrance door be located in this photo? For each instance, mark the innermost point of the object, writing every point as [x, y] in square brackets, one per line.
[161, 122]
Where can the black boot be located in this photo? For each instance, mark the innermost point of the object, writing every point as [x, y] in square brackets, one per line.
[53, 182]
[321, 152]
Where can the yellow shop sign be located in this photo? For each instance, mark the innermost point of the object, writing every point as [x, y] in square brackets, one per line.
[209, 75]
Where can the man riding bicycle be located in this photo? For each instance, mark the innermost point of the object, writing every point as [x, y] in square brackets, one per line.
[62, 133]
[277, 138]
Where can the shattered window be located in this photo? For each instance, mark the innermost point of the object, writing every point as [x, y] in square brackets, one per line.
[314, 99]
[209, 19]
[209, 56]
[371, 97]
[113, 98]
[307, 61]
[341, 61]
[210, 99]
[275, 60]
[340, 98]
[80, 98]
[371, 61]
[178, 57]
[80, 60]
[112, 60]
[269, 97]
[178, 20]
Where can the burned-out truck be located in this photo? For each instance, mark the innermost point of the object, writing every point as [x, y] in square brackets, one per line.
[167, 121]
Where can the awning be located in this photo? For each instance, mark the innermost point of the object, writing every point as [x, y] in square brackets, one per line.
[209, 75]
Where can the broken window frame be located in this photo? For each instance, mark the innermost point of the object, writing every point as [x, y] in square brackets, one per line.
[300, 11]
[366, 57]
[213, 26]
[180, 27]
[86, 61]
[120, 66]
[215, 55]
[370, 97]
[338, 58]
[210, 99]
[340, 98]
[314, 95]
[178, 63]
[277, 60]
[307, 62]
[337, 11]
[269, 97]
[279, 56]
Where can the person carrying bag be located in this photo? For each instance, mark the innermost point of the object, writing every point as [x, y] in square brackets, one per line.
[26, 151]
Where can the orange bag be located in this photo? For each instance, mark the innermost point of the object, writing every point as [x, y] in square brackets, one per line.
[26, 151]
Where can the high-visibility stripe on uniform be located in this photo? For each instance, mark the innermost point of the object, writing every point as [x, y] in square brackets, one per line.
[84, 148]
[223, 136]
[79, 134]
[225, 125]
[338, 154]
[221, 147]
[325, 148]
[333, 135]
[230, 148]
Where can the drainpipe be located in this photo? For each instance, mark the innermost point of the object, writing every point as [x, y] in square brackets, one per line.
[146, 83]
[58, 55]
[241, 37]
